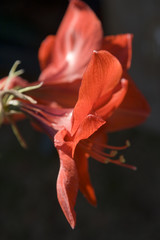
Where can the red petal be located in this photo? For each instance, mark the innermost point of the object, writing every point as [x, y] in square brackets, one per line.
[67, 182]
[101, 77]
[46, 51]
[108, 109]
[78, 35]
[133, 111]
[85, 185]
[88, 126]
[63, 94]
[67, 187]
[121, 47]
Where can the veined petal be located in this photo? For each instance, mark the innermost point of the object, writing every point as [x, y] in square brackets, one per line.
[76, 38]
[67, 187]
[133, 110]
[121, 47]
[100, 78]
[78, 35]
[108, 109]
[45, 51]
[87, 127]
[67, 182]
[64, 94]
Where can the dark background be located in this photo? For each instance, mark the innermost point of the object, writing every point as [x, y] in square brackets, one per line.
[128, 201]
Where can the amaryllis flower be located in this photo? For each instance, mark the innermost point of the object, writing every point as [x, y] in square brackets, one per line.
[107, 100]
[82, 130]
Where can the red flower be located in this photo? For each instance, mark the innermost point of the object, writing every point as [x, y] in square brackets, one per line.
[108, 99]
[82, 131]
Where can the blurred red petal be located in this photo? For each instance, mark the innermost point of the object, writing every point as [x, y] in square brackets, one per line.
[121, 47]
[133, 110]
[117, 98]
[63, 94]
[74, 43]
[45, 51]
[85, 185]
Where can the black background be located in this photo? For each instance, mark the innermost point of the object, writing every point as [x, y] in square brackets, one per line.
[128, 201]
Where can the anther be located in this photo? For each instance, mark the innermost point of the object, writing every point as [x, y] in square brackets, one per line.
[122, 159]
[107, 160]
[113, 153]
[128, 144]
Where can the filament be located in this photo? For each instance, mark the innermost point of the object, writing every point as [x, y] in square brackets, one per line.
[94, 151]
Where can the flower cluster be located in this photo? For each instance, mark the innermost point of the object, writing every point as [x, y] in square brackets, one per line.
[83, 92]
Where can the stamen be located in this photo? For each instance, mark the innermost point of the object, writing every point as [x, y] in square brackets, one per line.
[122, 159]
[113, 147]
[99, 158]
[128, 144]
[92, 148]
[113, 153]
[118, 162]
